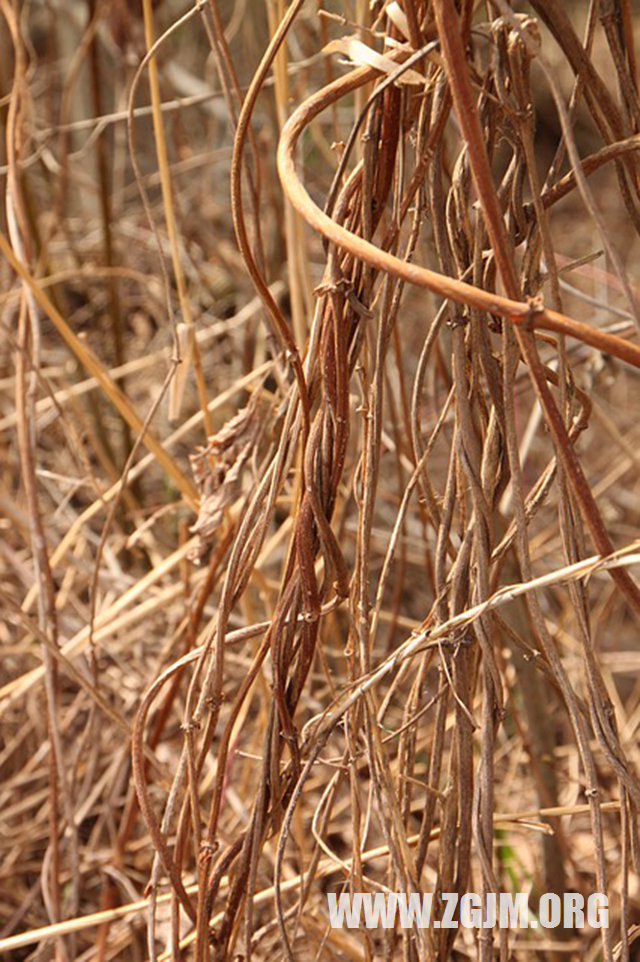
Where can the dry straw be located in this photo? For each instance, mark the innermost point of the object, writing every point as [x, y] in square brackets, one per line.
[377, 629]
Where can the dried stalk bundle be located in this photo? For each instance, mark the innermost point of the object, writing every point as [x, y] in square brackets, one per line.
[376, 632]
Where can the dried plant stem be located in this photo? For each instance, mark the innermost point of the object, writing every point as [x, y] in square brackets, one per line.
[93, 366]
[192, 352]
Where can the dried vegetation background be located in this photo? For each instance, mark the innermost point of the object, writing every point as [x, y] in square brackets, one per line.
[319, 480]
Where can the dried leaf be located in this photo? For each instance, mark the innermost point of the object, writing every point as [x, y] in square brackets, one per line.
[398, 18]
[218, 468]
[363, 56]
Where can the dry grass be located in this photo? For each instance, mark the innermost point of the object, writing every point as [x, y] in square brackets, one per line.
[319, 412]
